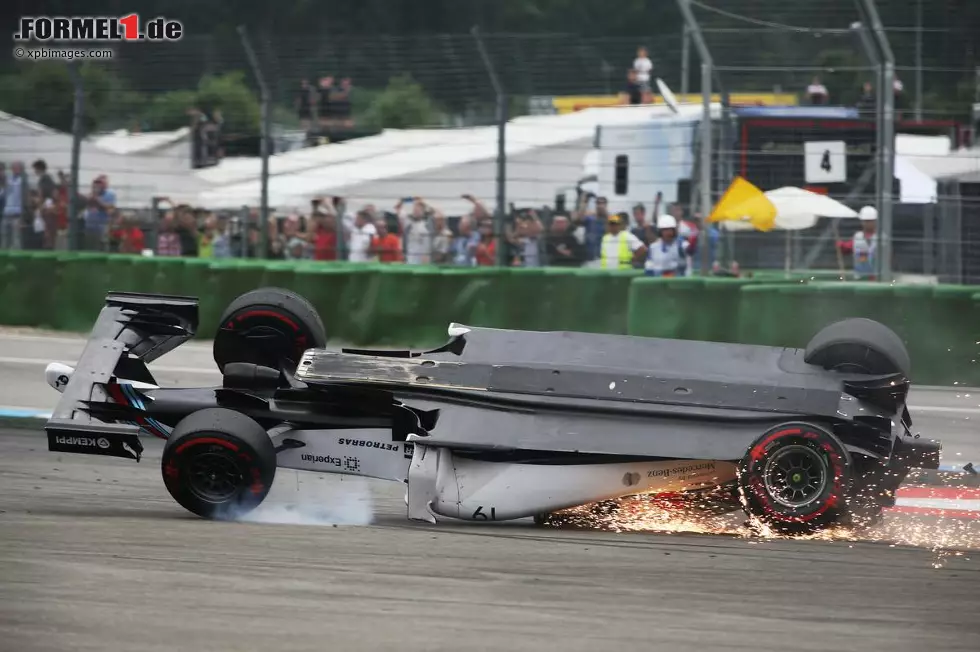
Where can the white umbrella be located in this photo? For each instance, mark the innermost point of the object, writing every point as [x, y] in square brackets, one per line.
[797, 209]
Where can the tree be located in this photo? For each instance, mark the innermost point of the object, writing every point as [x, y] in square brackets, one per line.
[44, 92]
[227, 93]
[402, 105]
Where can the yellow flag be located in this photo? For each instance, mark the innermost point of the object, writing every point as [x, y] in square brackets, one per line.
[743, 202]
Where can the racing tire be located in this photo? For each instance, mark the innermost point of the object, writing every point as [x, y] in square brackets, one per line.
[795, 479]
[269, 327]
[859, 346]
[218, 464]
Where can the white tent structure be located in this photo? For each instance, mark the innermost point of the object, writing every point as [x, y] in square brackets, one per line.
[544, 153]
[135, 177]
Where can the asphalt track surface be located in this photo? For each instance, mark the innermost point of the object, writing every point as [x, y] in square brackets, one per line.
[94, 555]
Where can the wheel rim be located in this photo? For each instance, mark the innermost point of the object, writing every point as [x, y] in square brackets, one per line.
[214, 477]
[795, 476]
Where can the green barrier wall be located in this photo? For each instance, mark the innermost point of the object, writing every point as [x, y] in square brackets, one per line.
[396, 305]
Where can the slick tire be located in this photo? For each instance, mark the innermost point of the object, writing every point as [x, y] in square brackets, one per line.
[859, 346]
[795, 479]
[269, 327]
[219, 464]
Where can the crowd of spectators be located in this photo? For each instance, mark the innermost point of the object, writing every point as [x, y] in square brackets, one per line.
[33, 208]
[818, 95]
[414, 231]
[324, 106]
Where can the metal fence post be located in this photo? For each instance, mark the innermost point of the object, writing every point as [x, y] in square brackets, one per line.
[77, 133]
[886, 125]
[685, 59]
[499, 214]
[264, 134]
[707, 69]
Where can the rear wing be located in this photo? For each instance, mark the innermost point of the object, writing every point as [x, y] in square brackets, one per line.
[131, 330]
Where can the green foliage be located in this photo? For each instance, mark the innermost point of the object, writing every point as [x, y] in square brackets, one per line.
[402, 105]
[228, 93]
[44, 92]
[231, 95]
[168, 111]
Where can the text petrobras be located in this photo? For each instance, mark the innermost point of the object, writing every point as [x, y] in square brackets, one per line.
[97, 28]
[368, 444]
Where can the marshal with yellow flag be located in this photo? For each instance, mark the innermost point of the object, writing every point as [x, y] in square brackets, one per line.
[743, 202]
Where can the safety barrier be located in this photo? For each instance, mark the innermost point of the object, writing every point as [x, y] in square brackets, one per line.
[397, 305]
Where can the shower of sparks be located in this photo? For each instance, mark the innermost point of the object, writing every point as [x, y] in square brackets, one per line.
[945, 537]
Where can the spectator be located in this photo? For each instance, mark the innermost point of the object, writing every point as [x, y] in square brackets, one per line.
[442, 240]
[867, 102]
[668, 256]
[187, 231]
[45, 184]
[131, 238]
[296, 248]
[620, 248]
[594, 224]
[340, 106]
[304, 104]
[284, 241]
[168, 240]
[562, 248]
[900, 101]
[323, 98]
[643, 67]
[114, 232]
[528, 242]
[62, 208]
[816, 92]
[485, 252]
[633, 93]
[642, 230]
[217, 231]
[863, 246]
[359, 238]
[100, 202]
[385, 245]
[464, 244]
[324, 235]
[34, 234]
[415, 230]
[16, 198]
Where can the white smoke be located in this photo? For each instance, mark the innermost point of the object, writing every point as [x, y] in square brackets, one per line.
[302, 498]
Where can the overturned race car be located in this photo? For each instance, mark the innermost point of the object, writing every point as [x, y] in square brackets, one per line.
[498, 424]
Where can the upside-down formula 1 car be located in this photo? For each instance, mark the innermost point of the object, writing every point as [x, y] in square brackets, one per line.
[499, 424]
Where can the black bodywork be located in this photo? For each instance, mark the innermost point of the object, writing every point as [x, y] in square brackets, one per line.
[551, 397]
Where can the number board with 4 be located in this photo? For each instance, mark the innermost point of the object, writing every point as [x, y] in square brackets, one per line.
[825, 161]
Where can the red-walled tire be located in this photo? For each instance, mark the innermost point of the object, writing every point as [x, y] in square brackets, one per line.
[219, 464]
[795, 479]
[270, 327]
